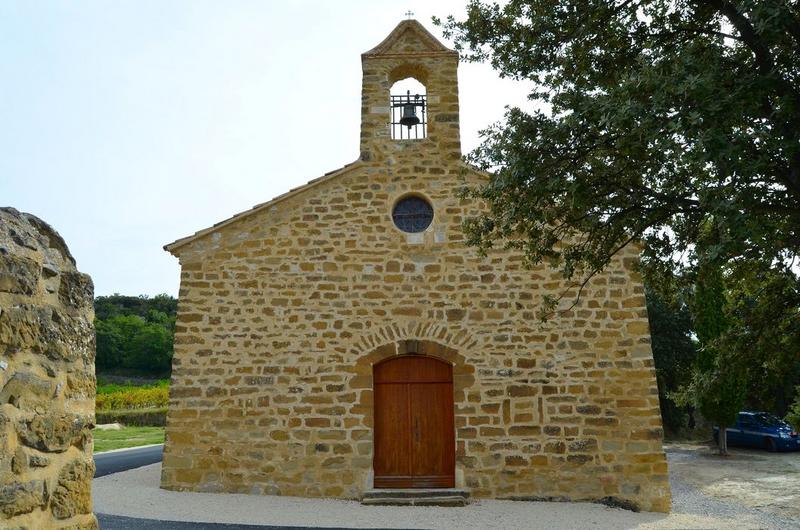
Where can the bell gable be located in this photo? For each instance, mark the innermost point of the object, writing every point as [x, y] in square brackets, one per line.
[409, 38]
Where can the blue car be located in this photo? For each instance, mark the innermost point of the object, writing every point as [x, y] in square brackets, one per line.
[762, 430]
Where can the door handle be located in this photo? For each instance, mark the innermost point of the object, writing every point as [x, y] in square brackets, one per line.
[416, 429]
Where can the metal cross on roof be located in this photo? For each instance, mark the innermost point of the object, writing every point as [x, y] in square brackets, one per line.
[409, 14]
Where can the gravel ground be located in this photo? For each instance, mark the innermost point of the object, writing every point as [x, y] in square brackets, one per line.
[687, 499]
[135, 493]
[747, 478]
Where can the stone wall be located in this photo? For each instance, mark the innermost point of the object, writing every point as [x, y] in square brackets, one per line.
[47, 383]
[284, 310]
[278, 314]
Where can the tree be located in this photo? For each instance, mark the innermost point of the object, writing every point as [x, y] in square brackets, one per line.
[673, 353]
[109, 345]
[764, 334]
[135, 332]
[654, 118]
[793, 416]
[133, 343]
[108, 306]
[150, 350]
[660, 114]
[717, 385]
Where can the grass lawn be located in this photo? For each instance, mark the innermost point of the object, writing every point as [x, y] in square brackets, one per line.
[127, 437]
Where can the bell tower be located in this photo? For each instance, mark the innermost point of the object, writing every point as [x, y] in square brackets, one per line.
[408, 124]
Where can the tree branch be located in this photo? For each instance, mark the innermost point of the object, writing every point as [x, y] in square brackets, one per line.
[764, 59]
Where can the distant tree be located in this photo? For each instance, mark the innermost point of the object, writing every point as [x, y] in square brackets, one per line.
[114, 336]
[718, 383]
[150, 349]
[763, 307]
[117, 304]
[163, 303]
[110, 345]
[135, 332]
[673, 352]
[163, 319]
[793, 416]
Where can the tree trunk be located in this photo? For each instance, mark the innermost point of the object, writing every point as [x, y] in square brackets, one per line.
[723, 440]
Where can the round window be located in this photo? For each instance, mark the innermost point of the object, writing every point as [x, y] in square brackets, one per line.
[412, 214]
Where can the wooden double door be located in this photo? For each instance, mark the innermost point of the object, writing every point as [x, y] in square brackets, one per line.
[414, 425]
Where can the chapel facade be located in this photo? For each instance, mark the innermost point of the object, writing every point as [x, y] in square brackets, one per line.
[342, 338]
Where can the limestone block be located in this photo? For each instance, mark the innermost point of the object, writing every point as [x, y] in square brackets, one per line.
[47, 330]
[72, 494]
[18, 274]
[27, 391]
[76, 290]
[22, 497]
[54, 434]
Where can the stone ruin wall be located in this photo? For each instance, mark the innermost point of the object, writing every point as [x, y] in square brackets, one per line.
[47, 382]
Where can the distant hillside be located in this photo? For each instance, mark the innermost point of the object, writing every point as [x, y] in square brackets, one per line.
[121, 305]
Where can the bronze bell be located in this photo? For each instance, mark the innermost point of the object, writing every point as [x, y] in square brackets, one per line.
[409, 115]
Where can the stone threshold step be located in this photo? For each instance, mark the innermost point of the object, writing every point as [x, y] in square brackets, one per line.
[415, 497]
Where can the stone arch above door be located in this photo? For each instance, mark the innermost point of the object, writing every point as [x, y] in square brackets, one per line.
[362, 383]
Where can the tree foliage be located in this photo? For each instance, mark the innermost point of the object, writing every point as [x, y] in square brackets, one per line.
[763, 339]
[117, 304]
[658, 115]
[717, 386]
[793, 416]
[135, 333]
[673, 353]
[662, 121]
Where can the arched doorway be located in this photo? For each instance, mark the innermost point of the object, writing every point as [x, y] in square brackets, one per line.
[414, 425]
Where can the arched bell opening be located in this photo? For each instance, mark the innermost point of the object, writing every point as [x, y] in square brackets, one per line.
[409, 106]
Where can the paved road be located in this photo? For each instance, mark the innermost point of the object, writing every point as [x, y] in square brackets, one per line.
[118, 522]
[117, 461]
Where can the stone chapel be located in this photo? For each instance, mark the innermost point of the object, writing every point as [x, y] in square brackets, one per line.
[341, 340]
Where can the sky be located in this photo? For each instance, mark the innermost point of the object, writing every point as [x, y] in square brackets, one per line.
[129, 124]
